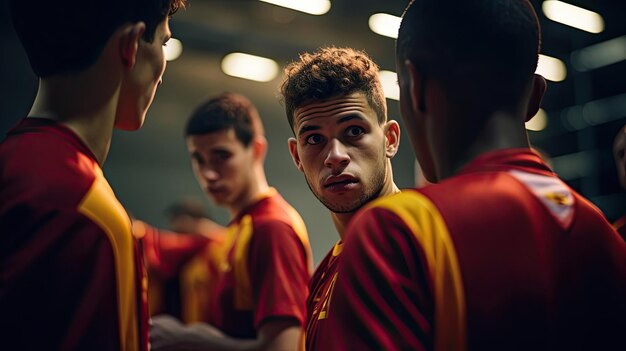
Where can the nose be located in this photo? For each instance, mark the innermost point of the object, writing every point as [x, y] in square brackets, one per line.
[209, 174]
[337, 155]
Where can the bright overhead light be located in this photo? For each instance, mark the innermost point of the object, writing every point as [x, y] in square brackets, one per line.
[538, 122]
[312, 7]
[173, 49]
[573, 16]
[389, 82]
[385, 24]
[251, 67]
[551, 68]
[600, 55]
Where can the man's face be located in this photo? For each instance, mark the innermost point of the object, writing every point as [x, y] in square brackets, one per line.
[340, 148]
[222, 165]
[140, 85]
[619, 151]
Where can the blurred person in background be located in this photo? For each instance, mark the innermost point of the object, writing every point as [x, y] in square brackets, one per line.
[182, 261]
[343, 145]
[259, 298]
[71, 277]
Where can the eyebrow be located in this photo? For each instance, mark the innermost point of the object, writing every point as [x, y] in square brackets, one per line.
[307, 129]
[348, 118]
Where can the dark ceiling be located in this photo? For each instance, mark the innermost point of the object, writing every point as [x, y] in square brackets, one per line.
[149, 168]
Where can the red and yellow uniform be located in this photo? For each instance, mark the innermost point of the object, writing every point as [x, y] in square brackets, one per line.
[264, 269]
[320, 293]
[70, 273]
[182, 270]
[502, 256]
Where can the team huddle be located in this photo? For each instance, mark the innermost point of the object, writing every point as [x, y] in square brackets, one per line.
[496, 253]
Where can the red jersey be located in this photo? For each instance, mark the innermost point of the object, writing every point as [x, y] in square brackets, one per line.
[70, 273]
[264, 269]
[321, 289]
[182, 270]
[502, 256]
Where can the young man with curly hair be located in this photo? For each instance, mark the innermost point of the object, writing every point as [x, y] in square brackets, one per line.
[343, 145]
[70, 274]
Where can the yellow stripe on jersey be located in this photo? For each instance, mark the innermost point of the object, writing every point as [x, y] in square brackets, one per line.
[243, 287]
[298, 226]
[429, 228]
[194, 290]
[102, 207]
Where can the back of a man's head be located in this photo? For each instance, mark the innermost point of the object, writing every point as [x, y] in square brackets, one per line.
[224, 112]
[481, 51]
[64, 37]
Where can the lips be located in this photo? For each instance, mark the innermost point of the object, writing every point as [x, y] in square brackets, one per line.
[340, 183]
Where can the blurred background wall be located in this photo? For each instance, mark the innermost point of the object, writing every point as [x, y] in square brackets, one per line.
[584, 107]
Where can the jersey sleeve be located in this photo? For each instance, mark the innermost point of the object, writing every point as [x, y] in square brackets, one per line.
[279, 273]
[399, 285]
[382, 299]
[165, 252]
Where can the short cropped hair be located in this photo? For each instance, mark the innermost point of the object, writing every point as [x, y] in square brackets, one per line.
[223, 112]
[68, 36]
[331, 72]
[484, 50]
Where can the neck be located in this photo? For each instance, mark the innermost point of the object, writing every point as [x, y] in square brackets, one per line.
[257, 187]
[341, 220]
[85, 102]
[501, 131]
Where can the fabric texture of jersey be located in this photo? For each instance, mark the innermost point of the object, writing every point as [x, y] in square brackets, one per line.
[182, 270]
[501, 256]
[71, 276]
[264, 268]
[320, 293]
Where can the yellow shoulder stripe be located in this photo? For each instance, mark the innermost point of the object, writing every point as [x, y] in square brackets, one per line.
[102, 207]
[429, 228]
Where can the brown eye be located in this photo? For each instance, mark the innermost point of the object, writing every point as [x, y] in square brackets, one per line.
[314, 139]
[355, 131]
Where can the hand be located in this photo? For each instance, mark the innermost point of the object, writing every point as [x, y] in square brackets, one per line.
[166, 333]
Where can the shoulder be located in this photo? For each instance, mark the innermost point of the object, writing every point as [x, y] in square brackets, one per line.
[45, 167]
[274, 216]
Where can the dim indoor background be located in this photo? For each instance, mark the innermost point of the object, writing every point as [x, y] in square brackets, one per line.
[583, 58]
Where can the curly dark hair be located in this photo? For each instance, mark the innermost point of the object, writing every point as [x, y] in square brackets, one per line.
[331, 72]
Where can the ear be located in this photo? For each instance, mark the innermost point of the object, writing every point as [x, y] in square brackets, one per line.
[293, 150]
[129, 43]
[392, 138]
[259, 145]
[414, 80]
[538, 88]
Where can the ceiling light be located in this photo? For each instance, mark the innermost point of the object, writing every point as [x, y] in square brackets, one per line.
[312, 7]
[600, 55]
[385, 24]
[251, 67]
[551, 68]
[538, 122]
[389, 81]
[173, 49]
[573, 16]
